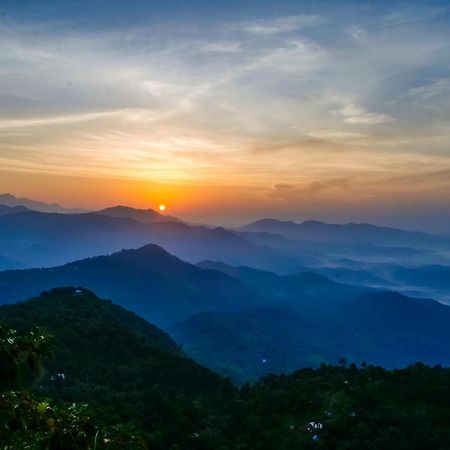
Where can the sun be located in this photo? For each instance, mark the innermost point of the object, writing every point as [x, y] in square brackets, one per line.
[162, 207]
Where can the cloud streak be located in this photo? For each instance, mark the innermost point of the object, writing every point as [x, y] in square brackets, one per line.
[57, 120]
[354, 114]
[284, 24]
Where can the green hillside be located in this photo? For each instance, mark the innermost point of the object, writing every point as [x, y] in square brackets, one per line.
[109, 373]
[124, 368]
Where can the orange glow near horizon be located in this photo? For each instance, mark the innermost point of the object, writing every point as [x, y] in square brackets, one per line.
[221, 204]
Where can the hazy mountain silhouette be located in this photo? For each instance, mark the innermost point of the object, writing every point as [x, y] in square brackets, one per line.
[197, 243]
[140, 215]
[5, 210]
[430, 281]
[322, 253]
[11, 200]
[354, 276]
[43, 240]
[305, 290]
[384, 328]
[148, 281]
[436, 276]
[347, 234]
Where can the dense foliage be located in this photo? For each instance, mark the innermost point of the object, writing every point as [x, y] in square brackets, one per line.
[142, 392]
[29, 423]
[127, 370]
[337, 408]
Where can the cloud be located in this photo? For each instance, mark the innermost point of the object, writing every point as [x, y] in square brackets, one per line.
[438, 87]
[332, 134]
[327, 185]
[286, 192]
[414, 13]
[358, 34]
[357, 115]
[58, 120]
[222, 47]
[284, 24]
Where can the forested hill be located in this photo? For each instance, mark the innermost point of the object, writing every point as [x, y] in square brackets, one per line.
[67, 312]
[126, 369]
[136, 381]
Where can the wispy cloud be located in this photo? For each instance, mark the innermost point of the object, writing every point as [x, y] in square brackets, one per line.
[284, 24]
[357, 115]
[438, 87]
[222, 47]
[57, 120]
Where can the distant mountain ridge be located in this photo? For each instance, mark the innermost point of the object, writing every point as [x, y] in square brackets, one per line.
[140, 215]
[5, 210]
[11, 200]
[305, 290]
[348, 233]
[45, 240]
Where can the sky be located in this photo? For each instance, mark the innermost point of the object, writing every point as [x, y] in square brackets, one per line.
[229, 111]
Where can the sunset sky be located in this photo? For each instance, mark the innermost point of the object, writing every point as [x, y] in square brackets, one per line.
[227, 111]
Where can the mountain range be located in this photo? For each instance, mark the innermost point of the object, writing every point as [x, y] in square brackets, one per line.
[351, 233]
[13, 201]
[44, 240]
[245, 322]
[270, 296]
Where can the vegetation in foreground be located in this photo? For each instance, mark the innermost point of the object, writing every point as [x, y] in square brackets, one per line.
[94, 376]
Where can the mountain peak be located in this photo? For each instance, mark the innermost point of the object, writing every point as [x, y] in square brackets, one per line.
[269, 220]
[151, 249]
[140, 215]
[148, 257]
[72, 305]
[312, 222]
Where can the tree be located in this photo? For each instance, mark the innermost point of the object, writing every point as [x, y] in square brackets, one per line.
[30, 423]
[21, 356]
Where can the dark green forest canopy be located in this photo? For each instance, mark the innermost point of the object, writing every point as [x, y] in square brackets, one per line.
[123, 367]
[29, 422]
[132, 375]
